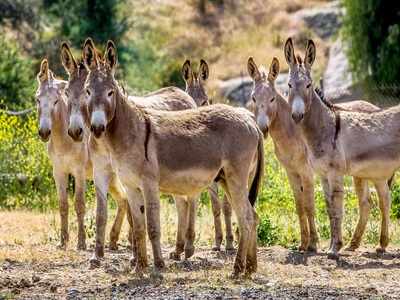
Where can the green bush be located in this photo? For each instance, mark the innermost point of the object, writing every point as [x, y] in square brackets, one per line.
[17, 83]
[372, 29]
[267, 233]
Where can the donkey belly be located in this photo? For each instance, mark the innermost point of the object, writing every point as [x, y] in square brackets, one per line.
[374, 169]
[186, 182]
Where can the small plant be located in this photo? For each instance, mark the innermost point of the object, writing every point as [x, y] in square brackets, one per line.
[267, 233]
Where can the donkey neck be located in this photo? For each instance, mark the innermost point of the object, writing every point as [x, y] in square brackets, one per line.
[282, 128]
[318, 126]
[59, 135]
[127, 125]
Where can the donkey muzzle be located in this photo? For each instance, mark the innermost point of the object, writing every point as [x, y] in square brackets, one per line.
[97, 123]
[44, 134]
[97, 130]
[76, 134]
[297, 117]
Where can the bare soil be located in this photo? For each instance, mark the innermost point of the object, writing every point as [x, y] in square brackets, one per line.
[282, 274]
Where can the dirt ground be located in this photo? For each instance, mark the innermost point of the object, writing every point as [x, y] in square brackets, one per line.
[31, 267]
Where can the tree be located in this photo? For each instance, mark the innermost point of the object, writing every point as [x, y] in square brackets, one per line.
[372, 28]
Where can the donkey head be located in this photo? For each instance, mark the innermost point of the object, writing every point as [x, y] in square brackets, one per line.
[300, 83]
[48, 94]
[195, 82]
[101, 88]
[264, 93]
[74, 91]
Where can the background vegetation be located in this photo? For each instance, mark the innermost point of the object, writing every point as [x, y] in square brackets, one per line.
[152, 46]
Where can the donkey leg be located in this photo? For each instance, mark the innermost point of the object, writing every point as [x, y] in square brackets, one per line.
[182, 208]
[216, 209]
[309, 202]
[382, 189]
[119, 196]
[191, 232]
[137, 211]
[247, 226]
[80, 188]
[102, 177]
[61, 180]
[326, 189]
[296, 185]
[227, 209]
[336, 205]
[152, 204]
[361, 187]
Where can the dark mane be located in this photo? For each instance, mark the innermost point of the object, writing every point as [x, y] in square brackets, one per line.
[325, 101]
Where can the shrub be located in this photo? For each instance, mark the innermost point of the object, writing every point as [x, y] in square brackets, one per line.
[267, 233]
[17, 82]
[372, 28]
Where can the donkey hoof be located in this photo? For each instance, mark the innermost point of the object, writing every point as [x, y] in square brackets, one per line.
[156, 275]
[94, 262]
[81, 246]
[234, 275]
[380, 250]
[216, 248]
[333, 255]
[312, 249]
[113, 246]
[175, 256]
[351, 248]
[189, 252]
[229, 247]
[132, 261]
[62, 246]
[159, 264]
[302, 248]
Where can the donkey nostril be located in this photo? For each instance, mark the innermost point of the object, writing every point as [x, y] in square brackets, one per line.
[80, 131]
[91, 128]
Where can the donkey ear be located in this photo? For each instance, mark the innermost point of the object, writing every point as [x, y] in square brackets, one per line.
[111, 55]
[44, 71]
[273, 70]
[89, 54]
[67, 59]
[203, 69]
[187, 71]
[310, 54]
[252, 69]
[289, 52]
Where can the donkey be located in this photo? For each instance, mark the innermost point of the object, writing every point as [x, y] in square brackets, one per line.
[66, 157]
[175, 152]
[273, 116]
[170, 98]
[363, 145]
[195, 82]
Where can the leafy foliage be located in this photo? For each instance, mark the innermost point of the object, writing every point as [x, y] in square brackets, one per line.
[16, 76]
[373, 29]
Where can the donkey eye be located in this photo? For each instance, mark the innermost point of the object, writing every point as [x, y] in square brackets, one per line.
[55, 102]
[308, 85]
[110, 93]
[88, 92]
[272, 100]
[37, 100]
[290, 86]
[253, 98]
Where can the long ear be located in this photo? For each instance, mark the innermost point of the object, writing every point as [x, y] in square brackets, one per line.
[252, 69]
[310, 54]
[186, 71]
[203, 69]
[44, 71]
[289, 52]
[67, 59]
[273, 70]
[89, 54]
[110, 56]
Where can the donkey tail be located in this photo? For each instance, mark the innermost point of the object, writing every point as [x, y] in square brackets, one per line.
[390, 182]
[257, 180]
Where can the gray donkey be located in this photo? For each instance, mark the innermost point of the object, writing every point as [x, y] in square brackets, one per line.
[179, 153]
[363, 145]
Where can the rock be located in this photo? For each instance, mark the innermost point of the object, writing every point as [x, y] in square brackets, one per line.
[338, 82]
[237, 90]
[324, 20]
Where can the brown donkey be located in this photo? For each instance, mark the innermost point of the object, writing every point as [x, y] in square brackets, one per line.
[195, 87]
[67, 158]
[175, 152]
[273, 115]
[104, 175]
[363, 145]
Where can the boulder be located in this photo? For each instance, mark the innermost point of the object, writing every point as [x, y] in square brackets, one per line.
[324, 20]
[338, 81]
[237, 90]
